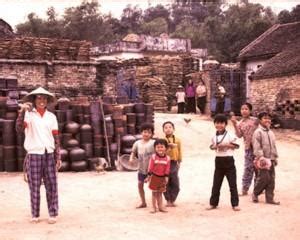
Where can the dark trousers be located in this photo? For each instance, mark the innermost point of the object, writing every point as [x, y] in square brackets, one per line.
[190, 105]
[265, 181]
[180, 107]
[201, 101]
[173, 183]
[220, 106]
[224, 166]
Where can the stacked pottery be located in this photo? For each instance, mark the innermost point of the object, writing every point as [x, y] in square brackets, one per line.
[126, 142]
[1, 147]
[76, 154]
[139, 109]
[9, 146]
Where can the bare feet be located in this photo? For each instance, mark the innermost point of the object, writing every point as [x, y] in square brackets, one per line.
[170, 204]
[153, 211]
[211, 207]
[162, 210]
[244, 193]
[142, 205]
[34, 220]
[236, 208]
[52, 220]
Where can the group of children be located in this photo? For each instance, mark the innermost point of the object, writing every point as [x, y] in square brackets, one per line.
[159, 160]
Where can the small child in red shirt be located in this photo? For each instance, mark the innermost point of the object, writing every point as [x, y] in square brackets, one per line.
[158, 171]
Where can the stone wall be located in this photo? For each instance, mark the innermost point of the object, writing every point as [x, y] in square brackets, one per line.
[268, 93]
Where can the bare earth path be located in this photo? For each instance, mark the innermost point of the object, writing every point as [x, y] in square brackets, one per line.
[96, 206]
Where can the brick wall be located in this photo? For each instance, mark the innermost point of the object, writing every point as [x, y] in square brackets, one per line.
[265, 93]
[71, 78]
[27, 74]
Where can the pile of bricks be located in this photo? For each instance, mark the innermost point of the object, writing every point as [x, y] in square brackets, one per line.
[44, 49]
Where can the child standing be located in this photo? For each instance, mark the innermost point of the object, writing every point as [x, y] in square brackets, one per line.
[265, 151]
[224, 144]
[245, 128]
[143, 149]
[159, 169]
[180, 96]
[174, 152]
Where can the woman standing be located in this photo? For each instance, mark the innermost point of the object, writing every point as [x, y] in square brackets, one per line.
[190, 92]
[42, 145]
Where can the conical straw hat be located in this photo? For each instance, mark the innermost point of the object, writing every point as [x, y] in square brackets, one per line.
[39, 91]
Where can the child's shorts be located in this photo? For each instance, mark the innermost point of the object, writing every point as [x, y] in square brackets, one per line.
[142, 177]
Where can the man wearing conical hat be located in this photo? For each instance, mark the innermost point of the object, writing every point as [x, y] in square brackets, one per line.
[43, 154]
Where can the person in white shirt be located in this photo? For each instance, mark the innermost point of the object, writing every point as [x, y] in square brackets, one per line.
[180, 96]
[224, 144]
[220, 96]
[43, 152]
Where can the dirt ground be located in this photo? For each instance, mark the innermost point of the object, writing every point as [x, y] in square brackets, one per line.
[102, 206]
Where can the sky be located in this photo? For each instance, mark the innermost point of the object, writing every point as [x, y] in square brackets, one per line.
[16, 11]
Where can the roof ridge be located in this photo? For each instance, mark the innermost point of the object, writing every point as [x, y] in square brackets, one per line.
[260, 38]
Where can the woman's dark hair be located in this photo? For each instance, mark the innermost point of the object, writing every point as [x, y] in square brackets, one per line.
[147, 126]
[220, 118]
[168, 122]
[249, 105]
[161, 141]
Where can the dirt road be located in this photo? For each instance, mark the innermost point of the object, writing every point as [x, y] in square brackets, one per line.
[102, 206]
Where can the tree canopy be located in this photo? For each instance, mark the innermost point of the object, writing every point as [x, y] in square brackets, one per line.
[223, 31]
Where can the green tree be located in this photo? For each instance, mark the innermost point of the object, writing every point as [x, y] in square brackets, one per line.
[83, 22]
[159, 11]
[131, 19]
[155, 27]
[284, 17]
[33, 27]
[241, 25]
[53, 26]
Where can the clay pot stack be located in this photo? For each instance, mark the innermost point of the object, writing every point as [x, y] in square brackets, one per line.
[12, 152]
[82, 136]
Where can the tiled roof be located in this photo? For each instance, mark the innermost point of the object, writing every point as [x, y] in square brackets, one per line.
[285, 63]
[271, 42]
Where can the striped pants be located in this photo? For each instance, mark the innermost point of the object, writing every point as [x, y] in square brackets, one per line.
[249, 170]
[42, 167]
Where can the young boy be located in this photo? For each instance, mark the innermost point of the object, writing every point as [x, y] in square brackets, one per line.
[245, 128]
[143, 149]
[158, 171]
[180, 96]
[174, 152]
[224, 144]
[264, 149]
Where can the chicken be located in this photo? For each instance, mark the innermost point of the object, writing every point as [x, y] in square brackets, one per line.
[187, 120]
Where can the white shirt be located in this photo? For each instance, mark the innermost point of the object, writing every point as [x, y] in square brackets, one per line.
[180, 97]
[201, 91]
[228, 138]
[38, 132]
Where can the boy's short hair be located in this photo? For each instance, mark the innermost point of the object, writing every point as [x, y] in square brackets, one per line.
[221, 118]
[263, 114]
[147, 126]
[161, 141]
[168, 122]
[249, 105]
